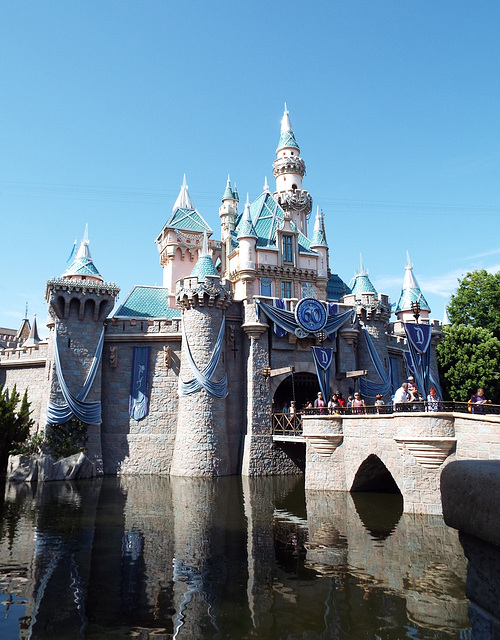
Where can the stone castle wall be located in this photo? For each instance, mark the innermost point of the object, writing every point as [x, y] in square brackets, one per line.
[26, 367]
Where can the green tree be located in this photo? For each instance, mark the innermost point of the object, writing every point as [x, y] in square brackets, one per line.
[476, 302]
[468, 358]
[14, 425]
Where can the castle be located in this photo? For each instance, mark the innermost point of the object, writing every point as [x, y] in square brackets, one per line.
[182, 379]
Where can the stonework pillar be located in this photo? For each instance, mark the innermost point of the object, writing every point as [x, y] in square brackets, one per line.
[257, 452]
[201, 444]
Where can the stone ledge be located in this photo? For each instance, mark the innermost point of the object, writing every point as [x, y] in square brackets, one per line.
[470, 491]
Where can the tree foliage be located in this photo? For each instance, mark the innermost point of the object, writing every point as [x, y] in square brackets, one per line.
[476, 302]
[14, 424]
[468, 358]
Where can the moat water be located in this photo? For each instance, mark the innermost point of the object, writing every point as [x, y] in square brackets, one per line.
[157, 558]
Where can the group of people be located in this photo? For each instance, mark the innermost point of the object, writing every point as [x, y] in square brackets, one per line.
[408, 394]
[406, 398]
[338, 404]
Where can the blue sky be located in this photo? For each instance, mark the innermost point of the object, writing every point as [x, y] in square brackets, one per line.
[106, 104]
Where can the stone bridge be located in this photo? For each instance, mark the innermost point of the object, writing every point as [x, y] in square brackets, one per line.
[400, 452]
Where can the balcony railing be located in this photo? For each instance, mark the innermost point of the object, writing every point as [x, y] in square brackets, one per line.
[286, 424]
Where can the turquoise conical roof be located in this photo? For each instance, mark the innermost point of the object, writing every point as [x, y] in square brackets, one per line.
[361, 283]
[246, 227]
[83, 265]
[287, 137]
[205, 265]
[411, 292]
[228, 193]
[319, 233]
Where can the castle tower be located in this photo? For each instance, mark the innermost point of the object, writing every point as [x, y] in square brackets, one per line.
[247, 239]
[411, 294]
[180, 241]
[201, 444]
[289, 169]
[373, 311]
[79, 302]
[320, 245]
[228, 212]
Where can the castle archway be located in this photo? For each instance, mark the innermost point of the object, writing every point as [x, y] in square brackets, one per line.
[304, 384]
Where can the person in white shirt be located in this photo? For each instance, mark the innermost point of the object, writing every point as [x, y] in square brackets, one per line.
[401, 397]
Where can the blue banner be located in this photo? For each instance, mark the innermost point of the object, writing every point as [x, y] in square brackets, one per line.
[419, 335]
[322, 361]
[419, 340]
[139, 387]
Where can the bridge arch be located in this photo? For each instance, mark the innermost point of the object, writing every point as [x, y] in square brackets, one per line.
[373, 476]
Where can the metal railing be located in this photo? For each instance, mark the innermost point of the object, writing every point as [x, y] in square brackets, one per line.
[286, 424]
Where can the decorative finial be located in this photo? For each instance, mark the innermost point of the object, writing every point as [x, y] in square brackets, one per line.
[408, 261]
[266, 186]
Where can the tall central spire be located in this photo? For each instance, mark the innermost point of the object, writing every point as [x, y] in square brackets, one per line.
[289, 169]
[287, 137]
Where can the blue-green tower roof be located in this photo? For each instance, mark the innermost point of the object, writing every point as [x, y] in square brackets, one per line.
[361, 283]
[246, 227]
[205, 265]
[287, 137]
[319, 234]
[411, 292]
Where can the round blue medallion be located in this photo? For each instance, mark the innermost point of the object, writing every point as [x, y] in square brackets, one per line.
[311, 315]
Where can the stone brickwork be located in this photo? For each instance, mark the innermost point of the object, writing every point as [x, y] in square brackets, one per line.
[260, 457]
[413, 447]
[26, 368]
[470, 491]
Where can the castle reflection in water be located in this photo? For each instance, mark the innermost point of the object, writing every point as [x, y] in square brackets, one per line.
[151, 557]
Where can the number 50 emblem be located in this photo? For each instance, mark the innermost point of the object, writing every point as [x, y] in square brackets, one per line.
[311, 314]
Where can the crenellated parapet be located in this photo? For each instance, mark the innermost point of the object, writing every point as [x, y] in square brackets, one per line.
[211, 292]
[370, 307]
[289, 164]
[64, 294]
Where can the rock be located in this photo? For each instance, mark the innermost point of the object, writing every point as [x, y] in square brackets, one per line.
[45, 469]
[22, 469]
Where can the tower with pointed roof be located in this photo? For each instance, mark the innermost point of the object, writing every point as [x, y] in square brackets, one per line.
[289, 169]
[180, 241]
[79, 303]
[202, 439]
[373, 311]
[411, 294]
[228, 213]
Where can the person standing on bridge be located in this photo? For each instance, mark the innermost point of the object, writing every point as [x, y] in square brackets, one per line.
[319, 403]
[401, 397]
[358, 404]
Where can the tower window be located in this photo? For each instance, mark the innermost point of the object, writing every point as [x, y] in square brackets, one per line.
[294, 186]
[286, 289]
[266, 287]
[287, 249]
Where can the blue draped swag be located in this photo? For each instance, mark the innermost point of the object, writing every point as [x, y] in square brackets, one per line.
[371, 389]
[88, 412]
[203, 379]
[286, 319]
[139, 384]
